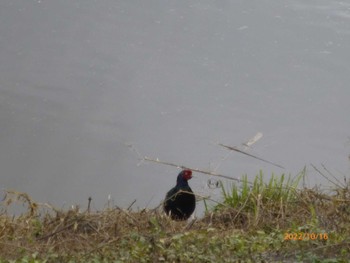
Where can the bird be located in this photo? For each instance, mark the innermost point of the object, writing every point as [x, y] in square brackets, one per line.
[180, 201]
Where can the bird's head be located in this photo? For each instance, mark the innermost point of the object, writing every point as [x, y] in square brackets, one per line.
[183, 177]
[186, 174]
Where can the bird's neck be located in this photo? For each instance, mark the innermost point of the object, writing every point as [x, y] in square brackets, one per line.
[182, 183]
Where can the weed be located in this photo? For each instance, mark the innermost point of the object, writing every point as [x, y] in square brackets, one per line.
[274, 221]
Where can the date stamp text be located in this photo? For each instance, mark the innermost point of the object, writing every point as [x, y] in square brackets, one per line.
[305, 236]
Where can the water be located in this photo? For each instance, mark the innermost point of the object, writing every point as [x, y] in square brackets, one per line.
[90, 87]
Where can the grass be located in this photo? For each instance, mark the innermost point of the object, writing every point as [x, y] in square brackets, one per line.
[273, 221]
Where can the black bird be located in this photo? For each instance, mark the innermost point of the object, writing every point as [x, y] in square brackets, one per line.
[180, 201]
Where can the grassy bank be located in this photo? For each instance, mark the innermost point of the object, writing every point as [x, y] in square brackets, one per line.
[273, 221]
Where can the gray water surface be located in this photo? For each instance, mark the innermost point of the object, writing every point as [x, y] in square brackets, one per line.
[89, 87]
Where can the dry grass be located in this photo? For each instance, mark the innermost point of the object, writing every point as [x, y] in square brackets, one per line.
[43, 229]
[256, 224]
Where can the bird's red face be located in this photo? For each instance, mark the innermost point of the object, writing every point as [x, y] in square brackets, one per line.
[187, 174]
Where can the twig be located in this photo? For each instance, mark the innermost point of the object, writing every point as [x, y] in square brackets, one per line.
[335, 178]
[324, 176]
[59, 230]
[193, 169]
[129, 207]
[246, 145]
[253, 140]
[190, 224]
[126, 213]
[233, 148]
[88, 209]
